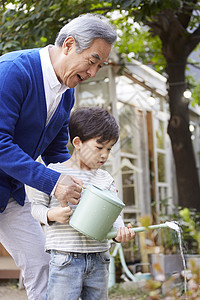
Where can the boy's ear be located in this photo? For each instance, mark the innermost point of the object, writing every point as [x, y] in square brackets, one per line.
[76, 142]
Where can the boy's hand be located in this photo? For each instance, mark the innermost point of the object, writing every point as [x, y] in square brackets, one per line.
[125, 234]
[59, 214]
[68, 189]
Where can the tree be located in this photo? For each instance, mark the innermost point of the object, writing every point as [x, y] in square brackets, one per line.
[174, 24]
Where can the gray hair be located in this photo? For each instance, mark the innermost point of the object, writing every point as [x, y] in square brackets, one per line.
[84, 29]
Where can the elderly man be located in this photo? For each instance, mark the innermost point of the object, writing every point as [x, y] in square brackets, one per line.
[36, 98]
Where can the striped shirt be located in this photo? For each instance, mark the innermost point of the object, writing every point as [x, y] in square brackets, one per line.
[63, 237]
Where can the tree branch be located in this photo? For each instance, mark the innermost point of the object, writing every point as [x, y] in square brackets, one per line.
[185, 13]
[192, 41]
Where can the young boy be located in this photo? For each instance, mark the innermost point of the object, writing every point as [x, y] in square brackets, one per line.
[79, 265]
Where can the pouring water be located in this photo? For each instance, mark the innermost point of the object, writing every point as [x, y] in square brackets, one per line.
[174, 225]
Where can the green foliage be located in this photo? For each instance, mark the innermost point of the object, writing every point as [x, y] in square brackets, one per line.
[33, 23]
[196, 94]
[126, 292]
[189, 221]
[145, 9]
[28, 24]
[136, 42]
[150, 52]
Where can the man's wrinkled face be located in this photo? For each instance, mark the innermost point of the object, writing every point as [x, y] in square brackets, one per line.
[77, 67]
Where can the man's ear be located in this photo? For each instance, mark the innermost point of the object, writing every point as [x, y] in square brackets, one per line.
[77, 142]
[68, 44]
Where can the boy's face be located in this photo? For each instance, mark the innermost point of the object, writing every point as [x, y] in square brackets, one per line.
[93, 154]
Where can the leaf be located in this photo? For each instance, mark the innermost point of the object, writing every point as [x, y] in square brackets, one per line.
[43, 39]
[145, 220]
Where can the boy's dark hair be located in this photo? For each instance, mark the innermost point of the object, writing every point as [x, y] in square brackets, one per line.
[92, 122]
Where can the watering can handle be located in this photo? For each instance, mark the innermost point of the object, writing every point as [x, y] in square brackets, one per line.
[113, 232]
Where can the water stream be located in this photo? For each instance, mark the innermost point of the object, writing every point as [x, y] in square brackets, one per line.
[173, 225]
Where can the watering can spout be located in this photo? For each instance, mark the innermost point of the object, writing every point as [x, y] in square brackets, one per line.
[113, 232]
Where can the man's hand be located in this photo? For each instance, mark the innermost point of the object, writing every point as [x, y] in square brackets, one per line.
[59, 214]
[125, 234]
[68, 190]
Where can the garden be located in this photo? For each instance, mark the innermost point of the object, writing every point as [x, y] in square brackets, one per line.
[170, 275]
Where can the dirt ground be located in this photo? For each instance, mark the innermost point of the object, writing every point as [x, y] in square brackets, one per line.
[10, 291]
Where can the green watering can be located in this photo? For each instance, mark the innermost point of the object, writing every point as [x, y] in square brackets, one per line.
[96, 212]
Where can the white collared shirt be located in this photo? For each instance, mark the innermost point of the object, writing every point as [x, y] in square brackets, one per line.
[53, 88]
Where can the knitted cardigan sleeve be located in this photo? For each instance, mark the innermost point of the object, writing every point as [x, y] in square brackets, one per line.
[18, 151]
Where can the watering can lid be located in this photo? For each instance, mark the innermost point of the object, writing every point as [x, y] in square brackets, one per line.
[105, 194]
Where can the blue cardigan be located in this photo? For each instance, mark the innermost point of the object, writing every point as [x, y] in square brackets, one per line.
[23, 135]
